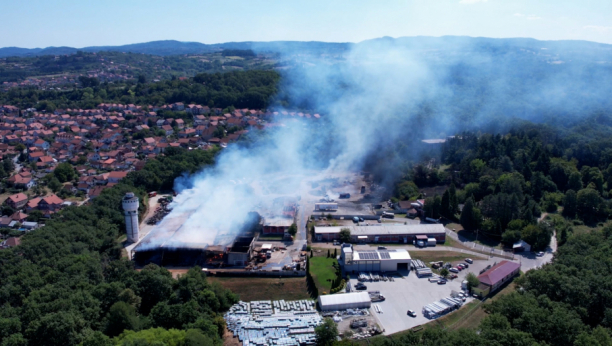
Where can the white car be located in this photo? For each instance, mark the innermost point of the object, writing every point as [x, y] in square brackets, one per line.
[540, 254]
[469, 260]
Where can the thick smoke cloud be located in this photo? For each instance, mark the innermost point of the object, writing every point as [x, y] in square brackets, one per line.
[378, 101]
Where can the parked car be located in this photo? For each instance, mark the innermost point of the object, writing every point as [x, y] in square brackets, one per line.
[420, 243]
[453, 276]
[441, 282]
[540, 254]
[382, 248]
[360, 286]
[453, 270]
[469, 260]
[361, 219]
[411, 313]
[466, 265]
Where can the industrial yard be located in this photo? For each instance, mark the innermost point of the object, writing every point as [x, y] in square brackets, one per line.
[278, 322]
[259, 260]
[409, 292]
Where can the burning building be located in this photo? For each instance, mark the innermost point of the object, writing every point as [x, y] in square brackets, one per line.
[171, 243]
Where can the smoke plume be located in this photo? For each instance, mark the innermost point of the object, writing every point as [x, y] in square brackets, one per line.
[377, 102]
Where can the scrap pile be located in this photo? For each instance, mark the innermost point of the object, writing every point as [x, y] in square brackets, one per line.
[420, 268]
[279, 322]
[160, 212]
[441, 307]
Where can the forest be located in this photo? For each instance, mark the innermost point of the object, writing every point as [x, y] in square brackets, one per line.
[67, 283]
[241, 89]
[14, 69]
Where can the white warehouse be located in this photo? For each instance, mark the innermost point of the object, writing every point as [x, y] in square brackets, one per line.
[343, 301]
[356, 261]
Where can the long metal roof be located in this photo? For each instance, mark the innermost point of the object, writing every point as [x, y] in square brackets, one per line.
[344, 298]
[423, 228]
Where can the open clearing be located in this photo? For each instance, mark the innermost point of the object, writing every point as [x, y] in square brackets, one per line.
[323, 272]
[250, 289]
[446, 256]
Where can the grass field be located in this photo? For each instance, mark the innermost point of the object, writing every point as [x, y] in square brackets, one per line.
[323, 272]
[446, 256]
[470, 315]
[265, 288]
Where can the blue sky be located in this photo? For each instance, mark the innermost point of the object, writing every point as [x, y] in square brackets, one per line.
[80, 23]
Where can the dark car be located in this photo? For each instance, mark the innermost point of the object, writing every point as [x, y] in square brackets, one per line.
[361, 287]
[411, 313]
[441, 282]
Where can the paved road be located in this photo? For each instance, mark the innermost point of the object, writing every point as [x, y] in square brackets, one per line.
[477, 247]
[144, 228]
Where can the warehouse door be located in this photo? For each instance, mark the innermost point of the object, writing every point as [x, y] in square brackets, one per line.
[402, 266]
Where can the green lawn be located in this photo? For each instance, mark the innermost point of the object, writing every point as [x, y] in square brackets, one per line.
[323, 272]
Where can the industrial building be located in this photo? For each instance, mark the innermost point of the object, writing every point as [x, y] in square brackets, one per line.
[277, 225]
[492, 279]
[343, 301]
[356, 261]
[170, 243]
[240, 253]
[326, 206]
[382, 233]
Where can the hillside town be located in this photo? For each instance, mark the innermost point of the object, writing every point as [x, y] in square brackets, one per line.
[103, 145]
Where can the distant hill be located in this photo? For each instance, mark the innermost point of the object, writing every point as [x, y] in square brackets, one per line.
[170, 47]
[456, 44]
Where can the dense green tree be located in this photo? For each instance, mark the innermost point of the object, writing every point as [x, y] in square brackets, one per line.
[121, 316]
[292, 229]
[570, 204]
[470, 215]
[588, 204]
[326, 333]
[64, 172]
[345, 235]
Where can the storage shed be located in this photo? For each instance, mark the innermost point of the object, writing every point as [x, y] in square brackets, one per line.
[343, 301]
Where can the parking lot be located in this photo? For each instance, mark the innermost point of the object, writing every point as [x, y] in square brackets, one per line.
[407, 291]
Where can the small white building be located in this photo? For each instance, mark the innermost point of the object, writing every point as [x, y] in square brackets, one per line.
[356, 261]
[521, 246]
[343, 301]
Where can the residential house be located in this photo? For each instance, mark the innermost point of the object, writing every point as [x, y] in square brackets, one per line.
[10, 242]
[115, 177]
[22, 180]
[17, 201]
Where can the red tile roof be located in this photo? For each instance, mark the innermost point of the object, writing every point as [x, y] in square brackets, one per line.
[19, 197]
[498, 272]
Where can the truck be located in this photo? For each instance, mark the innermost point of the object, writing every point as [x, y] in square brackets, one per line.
[377, 298]
[326, 206]
[388, 215]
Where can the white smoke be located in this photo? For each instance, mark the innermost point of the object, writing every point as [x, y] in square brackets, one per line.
[380, 97]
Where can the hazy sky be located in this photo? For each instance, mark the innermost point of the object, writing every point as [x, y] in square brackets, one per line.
[80, 23]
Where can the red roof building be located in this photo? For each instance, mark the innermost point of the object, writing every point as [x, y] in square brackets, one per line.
[497, 276]
[17, 201]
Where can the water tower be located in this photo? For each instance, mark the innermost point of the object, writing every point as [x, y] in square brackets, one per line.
[130, 210]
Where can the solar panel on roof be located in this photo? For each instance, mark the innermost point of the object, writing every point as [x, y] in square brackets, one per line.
[368, 255]
[384, 255]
